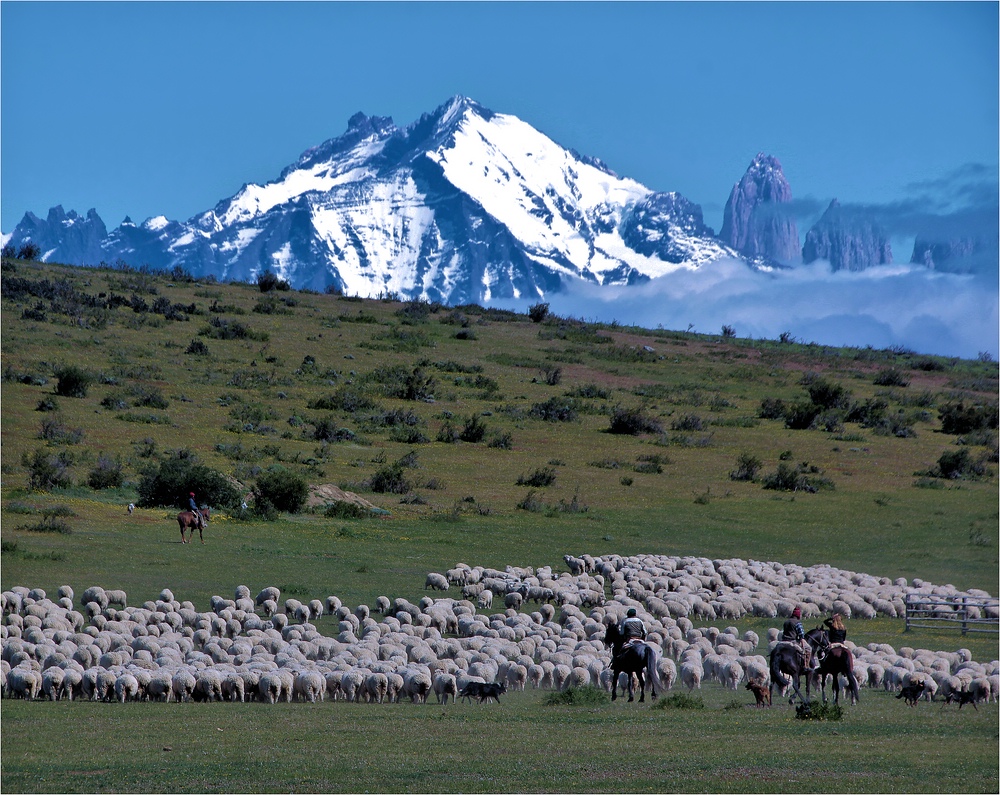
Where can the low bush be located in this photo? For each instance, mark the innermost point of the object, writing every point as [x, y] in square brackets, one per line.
[680, 701]
[632, 422]
[959, 464]
[555, 409]
[73, 381]
[389, 480]
[501, 440]
[587, 696]
[891, 377]
[960, 417]
[346, 510]
[687, 422]
[473, 431]
[539, 478]
[747, 467]
[197, 348]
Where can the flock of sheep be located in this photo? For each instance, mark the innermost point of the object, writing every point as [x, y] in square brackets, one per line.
[548, 634]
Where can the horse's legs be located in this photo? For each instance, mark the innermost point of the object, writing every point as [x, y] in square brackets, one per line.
[201, 526]
[614, 684]
[181, 525]
[642, 687]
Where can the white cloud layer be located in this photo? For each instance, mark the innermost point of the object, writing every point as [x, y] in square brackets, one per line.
[894, 305]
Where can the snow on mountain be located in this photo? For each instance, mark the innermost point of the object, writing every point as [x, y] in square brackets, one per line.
[463, 204]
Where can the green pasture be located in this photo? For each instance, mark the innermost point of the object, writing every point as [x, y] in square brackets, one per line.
[520, 745]
[880, 511]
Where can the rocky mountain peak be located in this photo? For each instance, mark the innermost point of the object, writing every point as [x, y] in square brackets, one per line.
[755, 222]
[850, 238]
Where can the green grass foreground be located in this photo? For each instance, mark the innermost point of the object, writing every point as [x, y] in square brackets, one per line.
[520, 745]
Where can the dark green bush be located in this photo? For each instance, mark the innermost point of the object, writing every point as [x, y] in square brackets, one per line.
[501, 440]
[473, 431]
[268, 281]
[688, 422]
[771, 409]
[539, 478]
[828, 395]
[956, 464]
[168, 484]
[747, 467]
[285, 490]
[73, 381]
[800, 416]
[959, 418]
[785, 478]
[538, 312]
[390, 480]
[346, 510]
[632, 422]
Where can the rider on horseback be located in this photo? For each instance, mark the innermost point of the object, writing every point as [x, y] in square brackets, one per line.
[632, 629]
[793, 632]
[838, 632]
[193, 507]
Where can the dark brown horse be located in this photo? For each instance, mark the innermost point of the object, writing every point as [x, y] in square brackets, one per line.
[834, 661]
[639, 659]
[787, 668]
[188, 520]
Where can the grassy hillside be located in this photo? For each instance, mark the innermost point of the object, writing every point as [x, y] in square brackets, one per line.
[243, 405]
[377, 394]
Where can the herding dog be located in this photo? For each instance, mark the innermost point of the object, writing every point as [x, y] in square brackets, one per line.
[761, 692]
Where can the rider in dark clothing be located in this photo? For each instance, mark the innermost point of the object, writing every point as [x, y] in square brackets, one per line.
[193, 507]
[632, 626]
[794, 632]
[838, 632]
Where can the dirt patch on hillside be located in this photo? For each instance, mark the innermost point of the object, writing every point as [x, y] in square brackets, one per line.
[325, 493]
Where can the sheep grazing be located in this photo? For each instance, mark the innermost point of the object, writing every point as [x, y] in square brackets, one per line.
[270, 592]
[445, 685]
[436, 582]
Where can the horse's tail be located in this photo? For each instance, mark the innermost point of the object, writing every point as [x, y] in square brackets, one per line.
[652, 671]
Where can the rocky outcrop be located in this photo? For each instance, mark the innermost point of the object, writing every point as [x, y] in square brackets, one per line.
[756, 221]
[850, 239]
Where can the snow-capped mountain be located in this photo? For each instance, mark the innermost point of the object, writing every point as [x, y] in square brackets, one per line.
[464, 204]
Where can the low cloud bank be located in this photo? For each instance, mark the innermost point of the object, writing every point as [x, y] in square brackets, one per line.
[894, 305]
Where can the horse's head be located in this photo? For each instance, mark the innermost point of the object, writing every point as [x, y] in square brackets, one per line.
[206, 513]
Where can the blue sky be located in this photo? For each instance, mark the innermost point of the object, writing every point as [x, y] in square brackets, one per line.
[166, 108]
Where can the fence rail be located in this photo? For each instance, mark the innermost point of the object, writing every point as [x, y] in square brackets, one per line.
[972, 614]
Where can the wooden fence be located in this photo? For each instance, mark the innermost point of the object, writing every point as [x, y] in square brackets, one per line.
[972, 614]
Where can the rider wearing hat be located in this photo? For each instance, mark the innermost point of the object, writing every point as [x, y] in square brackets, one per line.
[632, 627]
[793, 632]
[193, 507]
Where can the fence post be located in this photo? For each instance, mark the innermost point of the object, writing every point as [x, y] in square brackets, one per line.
[906, 610]
[965, 615]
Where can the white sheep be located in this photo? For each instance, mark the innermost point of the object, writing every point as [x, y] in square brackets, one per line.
[270, 592]
[436, 582]
[445, 685]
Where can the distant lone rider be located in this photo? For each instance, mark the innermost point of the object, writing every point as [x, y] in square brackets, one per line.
[793, 632]
[193, 506]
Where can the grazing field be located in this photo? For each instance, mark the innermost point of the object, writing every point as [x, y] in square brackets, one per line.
[434, 415]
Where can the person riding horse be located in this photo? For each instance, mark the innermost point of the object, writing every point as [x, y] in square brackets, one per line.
[631, 628]
[793, 632]
[837, 630]
[193, 507]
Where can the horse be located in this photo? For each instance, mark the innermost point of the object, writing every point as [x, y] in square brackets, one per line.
[786, 667]
[833, 661]
[187, 520]
[639, 659]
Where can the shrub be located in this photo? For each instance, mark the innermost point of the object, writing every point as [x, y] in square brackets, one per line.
[73, 381]
[955, 464]
[286, 490]
[552, 375]
[632, 422]
[168, 484]
[447, 434]
[329, 430]
[819, 711]
[346, 510]
[539, 478]
[197, 348]
[828, 395]
[959, 418]
[46, 471]
[531, 503]
[501, 440]
[268, 281]
[555, 409]
[466, 334]
[680, 701]
[800, 416]
[891, 377]
[473, 431]
[407, 435]
[107, 474]
[390, 480]
[590, 391]
[771, 409]
[538, 312]
[577, 697]
[747, 467]
[785, 478]
[688, 422]
[728, 332]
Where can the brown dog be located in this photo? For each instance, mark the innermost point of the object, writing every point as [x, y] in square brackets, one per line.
[761, 692]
